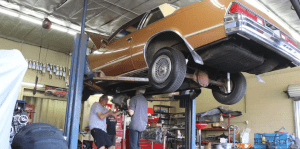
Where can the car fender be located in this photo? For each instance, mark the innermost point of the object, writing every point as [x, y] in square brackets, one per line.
[197, 59]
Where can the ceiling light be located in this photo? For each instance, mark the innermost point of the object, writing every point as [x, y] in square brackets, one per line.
[10, 5]
[9, 12]
[72, 32]
[33, 13]
[59, 28]
[75, 27]
[92, 31]
[31, 19]
[57, 21]
[32, 84]
[97, 95]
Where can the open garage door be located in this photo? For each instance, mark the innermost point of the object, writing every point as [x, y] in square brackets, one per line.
[294, 92]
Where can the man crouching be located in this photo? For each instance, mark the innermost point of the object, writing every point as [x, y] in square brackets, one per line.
[98, 116]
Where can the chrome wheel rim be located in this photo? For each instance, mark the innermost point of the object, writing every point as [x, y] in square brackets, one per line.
[161, 69]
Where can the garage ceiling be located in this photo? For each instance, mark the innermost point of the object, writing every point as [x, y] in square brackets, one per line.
[103, 17]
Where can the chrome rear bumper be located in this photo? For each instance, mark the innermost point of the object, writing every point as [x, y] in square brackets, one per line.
[252, 30]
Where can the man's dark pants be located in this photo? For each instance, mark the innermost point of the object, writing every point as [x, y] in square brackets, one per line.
[134, 137]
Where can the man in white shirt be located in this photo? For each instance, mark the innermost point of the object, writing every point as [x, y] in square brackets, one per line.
[98, 116]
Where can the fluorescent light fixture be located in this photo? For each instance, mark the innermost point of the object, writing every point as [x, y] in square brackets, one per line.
[59, 28]
[75, 27]
[33, 13]
[57, 21]
[31, 84]
[97, 95]
[9, 5]
[31, 19]
[92, 31]
[265, 10]
[9, 12]
[72, 32]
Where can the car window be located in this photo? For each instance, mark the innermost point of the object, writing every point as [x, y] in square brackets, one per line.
[126, 29]
[154, 16]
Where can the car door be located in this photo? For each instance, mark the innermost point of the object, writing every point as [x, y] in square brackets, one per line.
[141, 37]
[118, 54]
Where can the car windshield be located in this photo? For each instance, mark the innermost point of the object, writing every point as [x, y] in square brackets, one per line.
[126, 29]
[156, 14]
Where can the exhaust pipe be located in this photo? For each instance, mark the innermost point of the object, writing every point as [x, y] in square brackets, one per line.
[203, 80]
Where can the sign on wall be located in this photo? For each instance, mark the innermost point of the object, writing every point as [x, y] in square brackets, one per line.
[57, 92]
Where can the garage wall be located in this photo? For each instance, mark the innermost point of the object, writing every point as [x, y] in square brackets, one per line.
[48, 111]
[266, 107]
[46, 56]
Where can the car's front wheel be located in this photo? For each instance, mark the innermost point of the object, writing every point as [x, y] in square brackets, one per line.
[238, 90]
[167, 70]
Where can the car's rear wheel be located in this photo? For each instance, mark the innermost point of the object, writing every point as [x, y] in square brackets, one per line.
[238, 90]
[167, 70]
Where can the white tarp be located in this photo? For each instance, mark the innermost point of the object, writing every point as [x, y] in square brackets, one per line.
[12, 70]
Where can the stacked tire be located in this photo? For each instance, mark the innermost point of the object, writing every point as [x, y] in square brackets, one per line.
[39, 136]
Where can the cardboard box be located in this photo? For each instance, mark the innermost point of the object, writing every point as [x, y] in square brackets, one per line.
[156, 124]
[208, 126]
[216, 125]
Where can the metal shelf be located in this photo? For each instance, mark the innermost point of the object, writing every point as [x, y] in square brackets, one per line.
[181, 117]
[180, 128]
[161, 113]
[224, 115]
[165, 118]
[163, 106]
[217, 129]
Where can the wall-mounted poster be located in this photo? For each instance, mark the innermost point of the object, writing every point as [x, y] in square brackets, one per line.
[57, 92]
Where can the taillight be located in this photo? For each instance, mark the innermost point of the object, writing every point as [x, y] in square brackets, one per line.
[239, 9]
[283, 36]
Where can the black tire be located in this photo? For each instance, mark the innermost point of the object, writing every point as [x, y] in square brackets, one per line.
[175, 73]
[239, 86]
[39, 135]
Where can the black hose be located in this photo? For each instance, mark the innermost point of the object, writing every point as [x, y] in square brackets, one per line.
[296, 5]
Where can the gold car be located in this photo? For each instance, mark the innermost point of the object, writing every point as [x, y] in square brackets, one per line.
[207, 44]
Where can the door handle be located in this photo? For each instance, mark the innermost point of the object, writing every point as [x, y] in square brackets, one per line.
[128, 39]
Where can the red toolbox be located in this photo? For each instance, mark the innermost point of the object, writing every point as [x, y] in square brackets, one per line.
[119, 133]
[118, 146]
[119, 127]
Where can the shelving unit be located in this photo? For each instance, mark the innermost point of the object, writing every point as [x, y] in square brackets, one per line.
[203, 130]
[167, 113]
[217, 129]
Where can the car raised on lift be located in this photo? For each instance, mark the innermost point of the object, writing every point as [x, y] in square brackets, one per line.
[206, 44]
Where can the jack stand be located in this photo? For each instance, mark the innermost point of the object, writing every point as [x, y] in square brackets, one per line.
[188, 99]
[124, 132]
